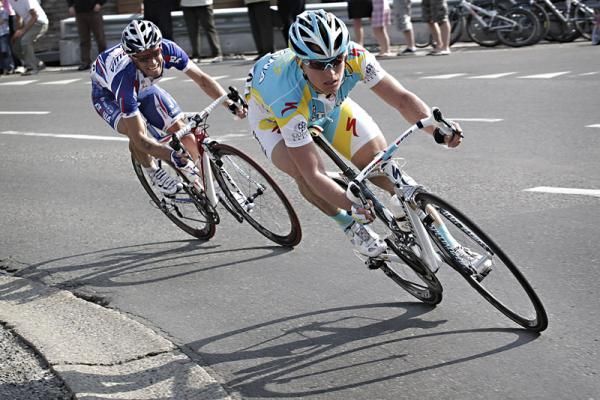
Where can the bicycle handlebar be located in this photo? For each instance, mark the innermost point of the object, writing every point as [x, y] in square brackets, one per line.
[435, 119]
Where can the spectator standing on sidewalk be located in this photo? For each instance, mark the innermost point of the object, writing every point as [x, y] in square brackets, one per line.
[159, 12]
[435, 13]
[6, 61]
[357, 10]
[7, 65]
[380, 20]
[288, 10]
[88, 15]
[259, 13]
[32, 23]
[404, 24]
[198, 13]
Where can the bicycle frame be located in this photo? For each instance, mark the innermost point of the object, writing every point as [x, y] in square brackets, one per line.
[476, 12]
[383, 162]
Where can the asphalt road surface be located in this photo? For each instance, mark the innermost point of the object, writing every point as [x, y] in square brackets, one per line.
[313, 322]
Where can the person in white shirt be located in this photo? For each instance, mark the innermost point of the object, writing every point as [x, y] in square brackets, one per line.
[32, 23]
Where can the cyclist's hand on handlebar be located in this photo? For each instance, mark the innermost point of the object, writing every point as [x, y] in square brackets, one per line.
[240, 111]
[449, 139]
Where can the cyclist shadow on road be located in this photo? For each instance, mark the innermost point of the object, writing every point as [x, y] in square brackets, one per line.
[340, 349]
[138, 265]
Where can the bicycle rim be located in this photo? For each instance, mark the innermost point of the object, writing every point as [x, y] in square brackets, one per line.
[411, 274]
[505, 287]
[525, 33]
[265, 206]
[187, 209]
[457, 23]
[584, 21]
[480, 34]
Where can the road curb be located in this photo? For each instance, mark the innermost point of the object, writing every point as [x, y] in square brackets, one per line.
[99, 352]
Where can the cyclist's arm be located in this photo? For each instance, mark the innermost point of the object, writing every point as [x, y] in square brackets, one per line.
[207, 83]
[135, 129]
[406, 102]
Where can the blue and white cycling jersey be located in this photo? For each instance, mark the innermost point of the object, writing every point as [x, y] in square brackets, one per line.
[115, 74]
[286, 103]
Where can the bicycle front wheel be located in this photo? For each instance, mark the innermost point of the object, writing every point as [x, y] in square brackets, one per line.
[497, 278]
[584, 17]
[255, 195]
[189, 210]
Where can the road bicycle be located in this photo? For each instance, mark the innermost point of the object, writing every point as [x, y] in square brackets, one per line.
[568, 19]
[432, 235]
[224, 176]
[487, 26]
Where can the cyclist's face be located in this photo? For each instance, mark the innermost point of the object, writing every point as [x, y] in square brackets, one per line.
[326, 77]
[150, 62]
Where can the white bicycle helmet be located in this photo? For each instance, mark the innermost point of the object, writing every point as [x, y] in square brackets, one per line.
[318, 35]
[140, 35]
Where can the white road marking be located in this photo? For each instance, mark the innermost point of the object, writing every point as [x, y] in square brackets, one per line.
[492, 76]
[66, 136]
[168, 78]
[477, 119]
[240, 79]
[447, 76]
[593, 126]
[19, 83]
[558, 190]
[544, 76]
[63, 82]
[24, 112]
[589, 73]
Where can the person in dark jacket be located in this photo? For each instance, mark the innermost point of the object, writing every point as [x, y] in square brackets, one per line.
[159, 12]
[288, 11]
[88, 15]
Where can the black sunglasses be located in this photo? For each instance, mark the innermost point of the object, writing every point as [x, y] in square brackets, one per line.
[323, 65]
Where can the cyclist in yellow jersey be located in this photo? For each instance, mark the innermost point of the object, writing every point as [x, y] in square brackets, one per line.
[308, 84]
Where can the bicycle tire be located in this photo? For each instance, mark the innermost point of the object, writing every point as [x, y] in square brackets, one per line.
[457, 25]
[529, 312]
[479, 33]
[187, 209]
[272, 214]
[525, 33]
[423, 39]
[560, 31]
[584, 21]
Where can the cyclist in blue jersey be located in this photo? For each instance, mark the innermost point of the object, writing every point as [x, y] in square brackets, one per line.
[308, 84]
[126, 95]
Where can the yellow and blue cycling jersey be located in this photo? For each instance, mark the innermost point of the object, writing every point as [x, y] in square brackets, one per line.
[282, 103]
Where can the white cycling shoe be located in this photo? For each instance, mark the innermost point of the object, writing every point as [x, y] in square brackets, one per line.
[367, 242]
[474, 260]
[165, 182]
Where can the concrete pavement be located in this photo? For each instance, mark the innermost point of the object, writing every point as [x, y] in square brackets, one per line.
[97, 352]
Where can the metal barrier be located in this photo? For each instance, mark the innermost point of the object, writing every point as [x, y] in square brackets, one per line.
[233, 27]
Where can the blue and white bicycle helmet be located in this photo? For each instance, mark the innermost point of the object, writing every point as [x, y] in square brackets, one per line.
[140, 35]
[318, 35]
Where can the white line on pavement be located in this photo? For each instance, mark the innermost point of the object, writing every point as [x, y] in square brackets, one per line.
[24, 112]
[492, 76]
[544, 76]
[558, 190]
[65, 136]
[477, 119]
[593, 126]
[20, 83]
[447, 76]
[589, 73]
[63, 82]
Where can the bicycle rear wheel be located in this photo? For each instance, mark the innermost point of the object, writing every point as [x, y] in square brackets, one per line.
[504, 286]
[189, 210]
[525, 33]
[584, 17]
[255, 195]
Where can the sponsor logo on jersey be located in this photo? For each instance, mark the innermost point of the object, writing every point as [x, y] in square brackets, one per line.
[351, 126]
[266, 67]
[300, 132]
[292, 105]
